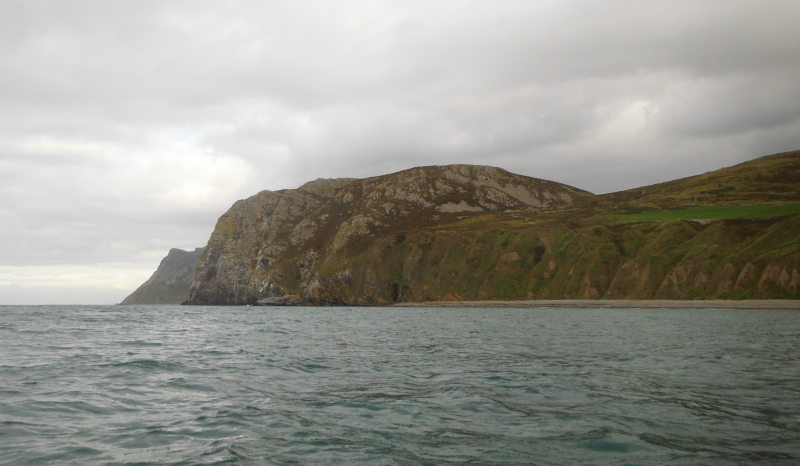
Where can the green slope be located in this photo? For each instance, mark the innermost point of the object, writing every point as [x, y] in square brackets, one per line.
[771, 179]
[667, 260]
[710, 212]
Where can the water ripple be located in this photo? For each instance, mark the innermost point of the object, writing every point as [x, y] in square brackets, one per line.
[195, 385]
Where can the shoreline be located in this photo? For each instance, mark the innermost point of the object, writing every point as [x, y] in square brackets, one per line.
[754, 304]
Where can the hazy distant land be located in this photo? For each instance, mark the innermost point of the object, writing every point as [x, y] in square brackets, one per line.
[170, 283]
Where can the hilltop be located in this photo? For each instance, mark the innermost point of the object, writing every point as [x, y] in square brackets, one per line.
[770, 179]
[329, 241]
[463, 232]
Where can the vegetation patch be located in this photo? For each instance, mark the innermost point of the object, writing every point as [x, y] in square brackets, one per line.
[711, 212]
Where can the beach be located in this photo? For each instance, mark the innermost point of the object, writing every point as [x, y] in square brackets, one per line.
[754, 304]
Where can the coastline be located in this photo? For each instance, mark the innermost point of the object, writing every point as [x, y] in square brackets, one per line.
[754, 304]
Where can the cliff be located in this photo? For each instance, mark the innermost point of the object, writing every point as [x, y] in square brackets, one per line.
[464, 232]
[170, 283]
[289, 242]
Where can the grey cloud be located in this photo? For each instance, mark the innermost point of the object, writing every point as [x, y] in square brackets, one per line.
[129, 127]
[732, 105]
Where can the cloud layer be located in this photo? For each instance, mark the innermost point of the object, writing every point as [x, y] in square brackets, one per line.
[128, 128]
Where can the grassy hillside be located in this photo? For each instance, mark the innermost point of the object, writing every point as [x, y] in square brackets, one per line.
[650, 260]
[770, 179]
[708, 212]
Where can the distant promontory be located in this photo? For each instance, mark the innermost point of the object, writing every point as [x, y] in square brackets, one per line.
[171, 281]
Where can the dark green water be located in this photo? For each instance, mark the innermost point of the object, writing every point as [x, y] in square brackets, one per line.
[240, 385]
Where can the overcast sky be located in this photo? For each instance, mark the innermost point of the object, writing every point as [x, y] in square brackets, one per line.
[128, 128]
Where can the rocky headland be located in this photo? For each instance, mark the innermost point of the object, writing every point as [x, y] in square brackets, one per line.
[170, 283]
[466, 233]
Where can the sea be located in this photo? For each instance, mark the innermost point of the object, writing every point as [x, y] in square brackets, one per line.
[158, 385]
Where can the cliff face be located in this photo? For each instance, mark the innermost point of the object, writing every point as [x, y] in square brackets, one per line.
[171, 281]
[287, 242]
[465, 232]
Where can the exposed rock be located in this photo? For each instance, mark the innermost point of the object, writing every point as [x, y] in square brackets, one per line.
[452, 297]
[772, 275]
[326, 187]
[630, 282]
[277, 301]
[462, 206]
[780, 276]
[746, 277]
[510, 257]
[727, 279]
[254, 249]
[170, 283]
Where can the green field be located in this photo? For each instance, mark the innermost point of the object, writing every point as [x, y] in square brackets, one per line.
[711, 212]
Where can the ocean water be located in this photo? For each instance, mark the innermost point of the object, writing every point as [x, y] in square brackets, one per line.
[408, 386]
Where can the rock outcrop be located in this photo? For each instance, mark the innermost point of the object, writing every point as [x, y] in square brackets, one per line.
[171, 281]
[282, 301]
[296, 242]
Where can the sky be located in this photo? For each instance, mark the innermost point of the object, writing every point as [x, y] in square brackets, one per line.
[128, 128]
